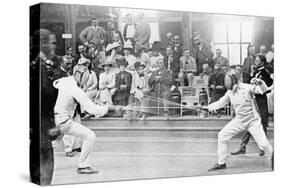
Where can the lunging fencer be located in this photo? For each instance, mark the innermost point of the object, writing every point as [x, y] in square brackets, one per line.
[241, 96]
[70, 98]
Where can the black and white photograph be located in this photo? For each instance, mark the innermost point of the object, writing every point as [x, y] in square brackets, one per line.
[120, 93]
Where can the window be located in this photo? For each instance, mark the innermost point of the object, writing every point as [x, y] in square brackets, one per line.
[233, 38]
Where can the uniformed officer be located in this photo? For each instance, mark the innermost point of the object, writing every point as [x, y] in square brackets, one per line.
[247, 118]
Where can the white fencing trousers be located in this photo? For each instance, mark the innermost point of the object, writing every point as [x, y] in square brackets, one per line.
[76, 129]
[70, 143]
[233, 128]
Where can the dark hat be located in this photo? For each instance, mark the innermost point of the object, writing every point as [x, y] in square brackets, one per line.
[121, 61]
[139, 64]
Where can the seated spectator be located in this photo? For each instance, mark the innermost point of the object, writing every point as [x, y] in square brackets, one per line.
[90, 88]
[138, 88]
[224, 69]
[205, 70]
[172, 64]
[216, 84]
[81, 54]
[160, 83]
[123, 83]
[106, 83]
[99, 57]
[128, 50]
[263, 50]
[112, 53]
[187, 68]
[177, 47]
[154, 56]
[221, 60]
[70, 53]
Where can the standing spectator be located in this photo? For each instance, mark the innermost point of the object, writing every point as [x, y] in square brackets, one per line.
[123, 83]
[187, 68]
[106, 83]
[171, 62]
[160, 83]
[92, 34]
[177, 47]
[261, 101]
[216, 84]
[110, 32]
[220, 60]
[239, 69]
[248, 64]
[202, 54]
[270, 60]
[263, 50]
[142, 35]
[170, 41]
[129, 29]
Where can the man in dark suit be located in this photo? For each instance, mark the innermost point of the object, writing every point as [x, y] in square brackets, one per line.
[64, 69]
[171, 62]
[248, 64]
[261, 102]
[177, 47]
[109, 33]
[142, 35]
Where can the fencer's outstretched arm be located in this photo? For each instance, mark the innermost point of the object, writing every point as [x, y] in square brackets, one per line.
[222, 102]
[88, 105]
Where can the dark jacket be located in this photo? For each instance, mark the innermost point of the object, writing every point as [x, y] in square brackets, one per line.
[121, 96]
[203, 56]
[248, 62]
[125, 31]
[174, 65]
[164, 83]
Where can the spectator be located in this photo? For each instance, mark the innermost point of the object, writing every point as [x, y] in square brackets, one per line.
[138, 88]
[123, 83]
[106, 83]
[142, 35]
[64, 69]
[129, 29]
[110, 32]
[205, 71]
[224, 69]
[202, 53]
[177, 47]
[160, 83]
[263, 50]
[221, 60]
[81, 54]
[131, 59]
[113, 51]
[187, 68]
[171, 62]
[216, 84]
[248, 64]
[239, 69]
[70, 53]
[270, 55]
[170, 41]
[92, 34]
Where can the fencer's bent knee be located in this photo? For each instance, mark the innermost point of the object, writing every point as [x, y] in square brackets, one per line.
[221, 137]
[91, 136]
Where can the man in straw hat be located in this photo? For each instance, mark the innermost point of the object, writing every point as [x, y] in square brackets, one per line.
[70, 97]
[241, 97]
[106, 83]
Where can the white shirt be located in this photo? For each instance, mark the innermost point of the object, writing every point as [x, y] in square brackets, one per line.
[107, 80]
[69, 96]
[131, 61]
[130, 31]
[241, 98]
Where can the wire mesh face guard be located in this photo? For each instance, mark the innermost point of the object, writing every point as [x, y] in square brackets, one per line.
[233, 77]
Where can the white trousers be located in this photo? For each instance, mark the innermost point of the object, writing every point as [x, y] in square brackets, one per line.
[70, 143]
[88, 137]
[233, 128]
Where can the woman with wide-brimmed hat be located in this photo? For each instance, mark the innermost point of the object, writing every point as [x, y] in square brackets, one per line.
[123, 83]
[106, 83]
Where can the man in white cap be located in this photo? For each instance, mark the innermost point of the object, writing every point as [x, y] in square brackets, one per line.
[241, 97]
[69, 99]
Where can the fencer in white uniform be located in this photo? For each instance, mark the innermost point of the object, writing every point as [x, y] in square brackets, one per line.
[241, 97]
[70, 95]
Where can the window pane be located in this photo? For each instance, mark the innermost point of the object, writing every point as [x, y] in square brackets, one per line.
[244, 51]
[154, 30]
[247, 31]
[233, 31]
[220, 32]
[223, 48]
[234, 54]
